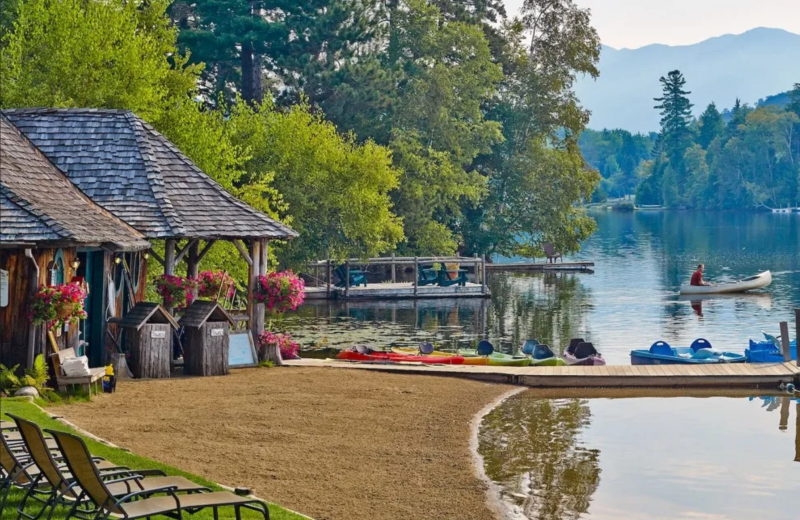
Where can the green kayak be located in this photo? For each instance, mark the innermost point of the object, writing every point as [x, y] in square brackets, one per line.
[496, 359]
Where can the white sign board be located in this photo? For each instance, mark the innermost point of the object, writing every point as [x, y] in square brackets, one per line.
[215, 333]
[158, 334]
[241, 351]
[3, 288]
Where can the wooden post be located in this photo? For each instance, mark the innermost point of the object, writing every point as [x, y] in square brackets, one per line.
[193, 263]
[783, 424]
[483, 274]
[797, 339]
[394, 278]
[169, 267]
[787, 352]
[347, 278]
[475, 267]
[416, 274]
[254, 272]
[797, 433]
[330, 276]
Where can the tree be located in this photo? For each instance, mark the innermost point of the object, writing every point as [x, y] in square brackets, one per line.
[676, 116]
[711, 125]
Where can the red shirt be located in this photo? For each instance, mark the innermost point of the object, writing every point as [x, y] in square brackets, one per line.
[697, 278]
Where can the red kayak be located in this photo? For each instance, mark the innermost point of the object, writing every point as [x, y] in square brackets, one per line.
[350, 355]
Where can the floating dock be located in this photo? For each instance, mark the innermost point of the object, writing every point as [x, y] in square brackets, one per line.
[723, 375]
[541, 266]
[398, 291]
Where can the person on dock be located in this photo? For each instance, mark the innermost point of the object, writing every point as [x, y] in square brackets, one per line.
[697, 276]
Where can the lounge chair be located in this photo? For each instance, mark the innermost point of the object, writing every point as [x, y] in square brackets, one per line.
[132, 505]
[52, 484]
[427, 276]
[446, 280]
[551, 253]
[357, 277]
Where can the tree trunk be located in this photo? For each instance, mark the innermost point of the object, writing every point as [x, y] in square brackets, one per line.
[252, 84]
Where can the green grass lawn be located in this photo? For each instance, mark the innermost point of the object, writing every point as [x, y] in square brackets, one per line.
[24, 408]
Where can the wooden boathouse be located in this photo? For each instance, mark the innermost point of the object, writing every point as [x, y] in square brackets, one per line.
[52, 233]
[129, 169]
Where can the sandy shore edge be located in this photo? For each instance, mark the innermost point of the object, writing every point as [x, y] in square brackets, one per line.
[493, 501]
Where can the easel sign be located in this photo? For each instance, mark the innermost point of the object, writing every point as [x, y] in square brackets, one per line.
[241, 350]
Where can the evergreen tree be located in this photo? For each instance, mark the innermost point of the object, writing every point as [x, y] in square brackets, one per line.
[711, 125]
[676, 119]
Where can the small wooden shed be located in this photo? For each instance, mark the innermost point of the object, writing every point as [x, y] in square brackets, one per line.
[148, 338]
[206, 341]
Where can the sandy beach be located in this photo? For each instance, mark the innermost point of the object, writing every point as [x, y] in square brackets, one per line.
[332, 444]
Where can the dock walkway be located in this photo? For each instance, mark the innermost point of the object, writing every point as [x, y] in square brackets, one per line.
[541, 266]
[399, 291]
[620, 376]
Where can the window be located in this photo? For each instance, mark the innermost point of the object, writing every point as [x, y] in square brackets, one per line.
[56, 269]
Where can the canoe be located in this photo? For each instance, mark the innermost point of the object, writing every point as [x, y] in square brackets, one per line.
[699, 353]
[375, 356]
[541, 355]
[747, 284]
[583, 353]
[411, 351]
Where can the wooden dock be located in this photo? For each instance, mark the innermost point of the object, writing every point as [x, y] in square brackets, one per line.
[541, 266]
[729, 375]
[399, 291]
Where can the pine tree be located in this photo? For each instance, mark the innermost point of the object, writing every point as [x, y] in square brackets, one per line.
[676, 118]
[711, 126]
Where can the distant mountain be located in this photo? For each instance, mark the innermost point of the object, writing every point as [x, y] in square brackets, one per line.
[746, 66]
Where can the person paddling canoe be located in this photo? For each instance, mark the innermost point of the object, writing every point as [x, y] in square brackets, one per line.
[697, 276]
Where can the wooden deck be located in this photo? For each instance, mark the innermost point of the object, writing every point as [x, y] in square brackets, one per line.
[768, 375]
[541, 266]
[399, 291]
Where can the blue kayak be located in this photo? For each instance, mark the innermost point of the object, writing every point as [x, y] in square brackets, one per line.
[768, 351]
[699, 353]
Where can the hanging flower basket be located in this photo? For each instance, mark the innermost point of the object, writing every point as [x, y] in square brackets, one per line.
[215, 285]
[56, 305]
[175, 290]
[280, 291]
[287, 346]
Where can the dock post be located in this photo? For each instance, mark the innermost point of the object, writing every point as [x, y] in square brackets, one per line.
[797, 339]
[330, 275]
[483, 274]
[416, 273]
[347, 279]
[475, 267]
[394, 279]
[787, 352]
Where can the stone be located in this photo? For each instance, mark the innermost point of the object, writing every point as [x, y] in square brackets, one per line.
[27, 391]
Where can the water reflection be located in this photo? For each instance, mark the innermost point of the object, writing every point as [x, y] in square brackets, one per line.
[532, 449]
[660, 457]
[628, 303]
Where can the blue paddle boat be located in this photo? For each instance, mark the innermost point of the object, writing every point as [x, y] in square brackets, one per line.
[699, 353]
[768, 351]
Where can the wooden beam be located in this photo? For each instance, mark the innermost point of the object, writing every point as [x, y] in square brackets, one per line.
[787, 353]
[169, 256]
[182, 252]
[157, 257]
[193, 263]
[243, 252]
[205, 250]
[483, 274]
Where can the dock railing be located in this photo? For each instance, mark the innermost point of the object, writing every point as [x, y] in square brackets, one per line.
[477, 262]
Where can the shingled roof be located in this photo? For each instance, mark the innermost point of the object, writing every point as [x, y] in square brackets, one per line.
[130, 169]
[38, 203]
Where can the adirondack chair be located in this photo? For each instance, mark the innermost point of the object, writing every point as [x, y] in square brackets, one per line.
[446, 280]
[427, 277]
[551, 253]
[357, 277]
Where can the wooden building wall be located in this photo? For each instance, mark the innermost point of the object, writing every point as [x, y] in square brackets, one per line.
[14, 318]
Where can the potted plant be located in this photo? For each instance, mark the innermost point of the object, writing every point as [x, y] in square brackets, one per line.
[56, 305]
[279, 291]
[283, 342]
[175, 290]
[215, 285]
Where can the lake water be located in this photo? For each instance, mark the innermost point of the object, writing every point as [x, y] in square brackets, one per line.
[630, 301]
[648, 458]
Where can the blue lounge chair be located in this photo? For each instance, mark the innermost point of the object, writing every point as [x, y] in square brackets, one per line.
[427, 277]
[357, 277]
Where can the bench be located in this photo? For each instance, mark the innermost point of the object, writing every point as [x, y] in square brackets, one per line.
[87, 382]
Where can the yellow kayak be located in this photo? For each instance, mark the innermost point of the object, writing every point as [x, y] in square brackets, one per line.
[410, 351]
[470, 357]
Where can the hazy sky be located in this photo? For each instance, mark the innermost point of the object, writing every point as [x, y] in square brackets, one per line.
[635, 23]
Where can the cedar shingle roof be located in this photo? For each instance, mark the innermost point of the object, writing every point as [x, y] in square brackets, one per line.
[39, 204]
[130, 169]
[200, 311]
[146, 312]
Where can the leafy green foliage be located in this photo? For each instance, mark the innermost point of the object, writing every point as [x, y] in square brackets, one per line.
[616, 154]
[8, 378]
[35, 376]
